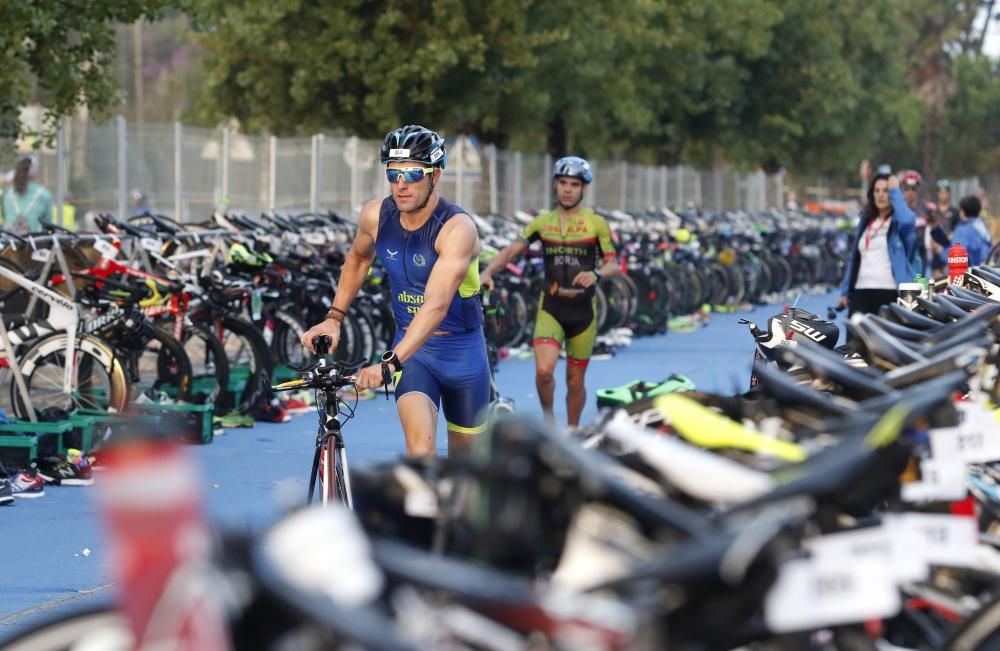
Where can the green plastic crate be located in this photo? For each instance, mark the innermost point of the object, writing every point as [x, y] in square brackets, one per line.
[639, 389]
[189, 422]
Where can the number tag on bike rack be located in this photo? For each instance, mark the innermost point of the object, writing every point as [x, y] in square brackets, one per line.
[940, 479]
[256, 303]
[316, 239]
[940, 539]
[974, 441]
[877, 544]
[151, 244]
[106, 248]
[41, 255]
[816, 592]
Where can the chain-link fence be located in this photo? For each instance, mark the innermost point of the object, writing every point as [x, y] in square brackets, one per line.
[188, 172]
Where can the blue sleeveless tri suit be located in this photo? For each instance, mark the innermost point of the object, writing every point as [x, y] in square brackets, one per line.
[451, 369]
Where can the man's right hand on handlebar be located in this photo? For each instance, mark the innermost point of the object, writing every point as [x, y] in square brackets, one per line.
[486, 280]
[329, 327]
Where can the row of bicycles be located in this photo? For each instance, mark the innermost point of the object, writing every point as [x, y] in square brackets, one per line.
[200, 312]
[849, 500]
[679, 263]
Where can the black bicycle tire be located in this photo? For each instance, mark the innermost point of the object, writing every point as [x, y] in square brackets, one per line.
[518, 309]
[338, 465]
[287, 335]
[64, 632]
[184, 374]
[719, 284]
[262, 361]
[349, 347]
[220, 396]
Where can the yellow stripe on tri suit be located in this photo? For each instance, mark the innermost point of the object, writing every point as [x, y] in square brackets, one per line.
[478, 429]
[470, 284]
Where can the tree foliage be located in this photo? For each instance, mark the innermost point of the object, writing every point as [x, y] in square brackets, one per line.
[780, 82]
[59, 53]
[812, 85]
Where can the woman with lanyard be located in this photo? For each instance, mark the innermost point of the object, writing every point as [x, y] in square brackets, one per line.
[880, 258]
[26, 202]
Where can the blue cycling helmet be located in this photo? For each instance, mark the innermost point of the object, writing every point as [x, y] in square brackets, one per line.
[573, 166]
[416, 144]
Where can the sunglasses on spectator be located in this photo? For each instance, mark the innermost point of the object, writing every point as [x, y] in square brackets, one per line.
[409, 174]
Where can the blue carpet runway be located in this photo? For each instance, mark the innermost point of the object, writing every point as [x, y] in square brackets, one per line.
[53, 555]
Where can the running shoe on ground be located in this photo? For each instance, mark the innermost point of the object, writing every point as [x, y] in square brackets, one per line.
[296, 406]
[72, 470]
[28, 484]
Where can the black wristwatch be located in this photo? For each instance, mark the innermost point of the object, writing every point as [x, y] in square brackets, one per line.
[389, 357]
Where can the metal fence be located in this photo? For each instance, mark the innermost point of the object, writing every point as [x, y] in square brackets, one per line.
[187, 172]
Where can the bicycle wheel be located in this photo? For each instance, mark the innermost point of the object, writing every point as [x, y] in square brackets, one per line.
[97, 627]
[366, 337]
[100, 377]
[163, 365]
[349, 348]
[343, 478]
[600, 308]
[980, 633]
[286, 344]
[520, 326]
[248, 357]
[333, 476]
[209, 366]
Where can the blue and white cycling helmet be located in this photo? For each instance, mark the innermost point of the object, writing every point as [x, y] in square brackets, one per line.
[573, 166]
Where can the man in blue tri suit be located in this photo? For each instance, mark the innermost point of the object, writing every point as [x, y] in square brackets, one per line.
[430, 249]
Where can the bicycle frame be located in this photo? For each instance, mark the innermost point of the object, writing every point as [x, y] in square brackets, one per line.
[326, 454]
[64, 316]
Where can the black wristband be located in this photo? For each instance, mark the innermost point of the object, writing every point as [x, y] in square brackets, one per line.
[389, 357]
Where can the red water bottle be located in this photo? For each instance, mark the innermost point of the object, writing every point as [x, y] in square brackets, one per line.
[958, 263]
[150, 502]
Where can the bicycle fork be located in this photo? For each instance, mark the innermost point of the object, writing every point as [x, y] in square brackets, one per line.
[330, 446]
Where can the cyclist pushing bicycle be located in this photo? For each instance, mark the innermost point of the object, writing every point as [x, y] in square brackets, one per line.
[429, 248]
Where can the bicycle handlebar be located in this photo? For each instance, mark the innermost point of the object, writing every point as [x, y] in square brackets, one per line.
[321, 374]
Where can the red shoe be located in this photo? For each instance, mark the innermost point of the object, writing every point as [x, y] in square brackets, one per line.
[296, 406]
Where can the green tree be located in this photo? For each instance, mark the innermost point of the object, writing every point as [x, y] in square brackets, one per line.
[814, 85]
[59, 53]
[970, 133]
[940, 30]
[816, 98]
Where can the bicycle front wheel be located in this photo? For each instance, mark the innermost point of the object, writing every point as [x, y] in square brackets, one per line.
[334, 482]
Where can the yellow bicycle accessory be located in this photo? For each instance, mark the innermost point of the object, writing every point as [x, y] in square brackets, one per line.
[703, 427]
